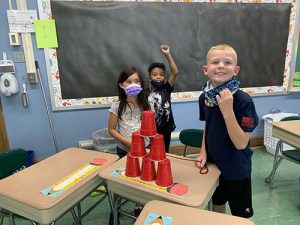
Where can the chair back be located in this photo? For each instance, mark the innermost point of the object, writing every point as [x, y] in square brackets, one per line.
[191, 137]
[11, 161]
[290, 118]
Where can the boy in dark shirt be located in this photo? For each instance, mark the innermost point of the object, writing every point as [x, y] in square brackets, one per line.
[229, 114]
[159, 95]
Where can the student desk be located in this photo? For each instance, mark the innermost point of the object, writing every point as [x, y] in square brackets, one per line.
[186, 215]
[289, 133]
[21, 194]
[201, 186]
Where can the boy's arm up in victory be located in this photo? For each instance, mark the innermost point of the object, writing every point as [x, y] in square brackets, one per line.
[174, 70]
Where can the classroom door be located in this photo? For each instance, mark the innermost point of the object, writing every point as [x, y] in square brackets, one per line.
[4, 145]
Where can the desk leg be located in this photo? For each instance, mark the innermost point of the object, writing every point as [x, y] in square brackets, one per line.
[79, 213]
[209, 205]
[74, 214]
[114, 201]
[276, 163]
[11, 219]
[110, 200]
[115, 212]
[77, 216]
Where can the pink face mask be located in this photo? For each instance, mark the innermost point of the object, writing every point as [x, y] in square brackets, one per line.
[133, 90]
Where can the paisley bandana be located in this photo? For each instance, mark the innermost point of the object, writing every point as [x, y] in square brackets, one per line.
[211, 92]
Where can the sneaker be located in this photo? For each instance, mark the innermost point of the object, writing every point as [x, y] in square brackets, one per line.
[137, 210]
[100, 190]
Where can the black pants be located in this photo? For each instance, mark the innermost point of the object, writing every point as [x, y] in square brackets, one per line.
[167, 140]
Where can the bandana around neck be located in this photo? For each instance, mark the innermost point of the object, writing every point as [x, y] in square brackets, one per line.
[211, 92]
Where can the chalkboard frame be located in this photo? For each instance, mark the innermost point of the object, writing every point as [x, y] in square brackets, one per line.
[58, 103]
[295, 64]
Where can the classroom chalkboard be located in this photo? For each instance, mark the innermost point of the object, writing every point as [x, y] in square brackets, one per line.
[97, 40]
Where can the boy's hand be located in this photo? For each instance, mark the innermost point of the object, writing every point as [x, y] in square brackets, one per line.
[201, 159]
[225, 101]
[165, 49]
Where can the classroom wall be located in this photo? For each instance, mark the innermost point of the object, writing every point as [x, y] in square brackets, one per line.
[29, 128]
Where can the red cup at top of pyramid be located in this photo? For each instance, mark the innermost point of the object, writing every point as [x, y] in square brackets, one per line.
[148, 127]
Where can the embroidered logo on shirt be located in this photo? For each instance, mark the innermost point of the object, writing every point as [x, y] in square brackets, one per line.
[247, 122]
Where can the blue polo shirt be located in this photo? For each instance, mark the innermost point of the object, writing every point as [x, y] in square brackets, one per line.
[234, 164]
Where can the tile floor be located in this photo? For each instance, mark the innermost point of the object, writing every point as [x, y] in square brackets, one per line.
[276, 207]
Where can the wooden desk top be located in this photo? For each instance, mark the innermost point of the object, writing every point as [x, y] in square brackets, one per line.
[26, 185]
[201, 186]
[186, 215]
[288, 132]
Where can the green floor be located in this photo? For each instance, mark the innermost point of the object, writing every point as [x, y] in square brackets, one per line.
[276, 207]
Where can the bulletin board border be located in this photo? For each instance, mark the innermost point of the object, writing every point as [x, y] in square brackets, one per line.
[291, 88]
[58, 103]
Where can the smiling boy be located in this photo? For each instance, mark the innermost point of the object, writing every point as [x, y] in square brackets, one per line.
[229, 116]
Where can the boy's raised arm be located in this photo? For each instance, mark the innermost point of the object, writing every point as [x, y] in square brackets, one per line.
[174, 70]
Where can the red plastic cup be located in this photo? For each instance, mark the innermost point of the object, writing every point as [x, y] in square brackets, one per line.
[137, 148]
[148, 127]
[157, 149]
[164, 176]
[132, 166]
[148, 169]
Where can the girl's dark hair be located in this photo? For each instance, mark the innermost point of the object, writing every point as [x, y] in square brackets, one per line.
[143, 102]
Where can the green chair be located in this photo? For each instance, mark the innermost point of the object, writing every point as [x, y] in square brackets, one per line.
[292, 155]
[190, 138]
[10, 162]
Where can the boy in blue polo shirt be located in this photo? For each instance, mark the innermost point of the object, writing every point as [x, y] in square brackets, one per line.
[229, 114]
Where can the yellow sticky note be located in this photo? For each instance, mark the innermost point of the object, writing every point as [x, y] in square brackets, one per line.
[45, 33]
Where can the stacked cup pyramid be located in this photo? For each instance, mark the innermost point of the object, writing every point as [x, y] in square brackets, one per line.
[163, 177]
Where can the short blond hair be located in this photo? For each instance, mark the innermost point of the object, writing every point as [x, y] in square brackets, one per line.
[222, 47]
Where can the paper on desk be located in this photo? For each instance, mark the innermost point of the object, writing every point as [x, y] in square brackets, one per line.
[176, 188]
[70, 180]
[157, 219]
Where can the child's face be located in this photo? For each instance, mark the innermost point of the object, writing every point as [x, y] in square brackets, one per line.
[133, 79]
[221, 66]
[157, 74]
